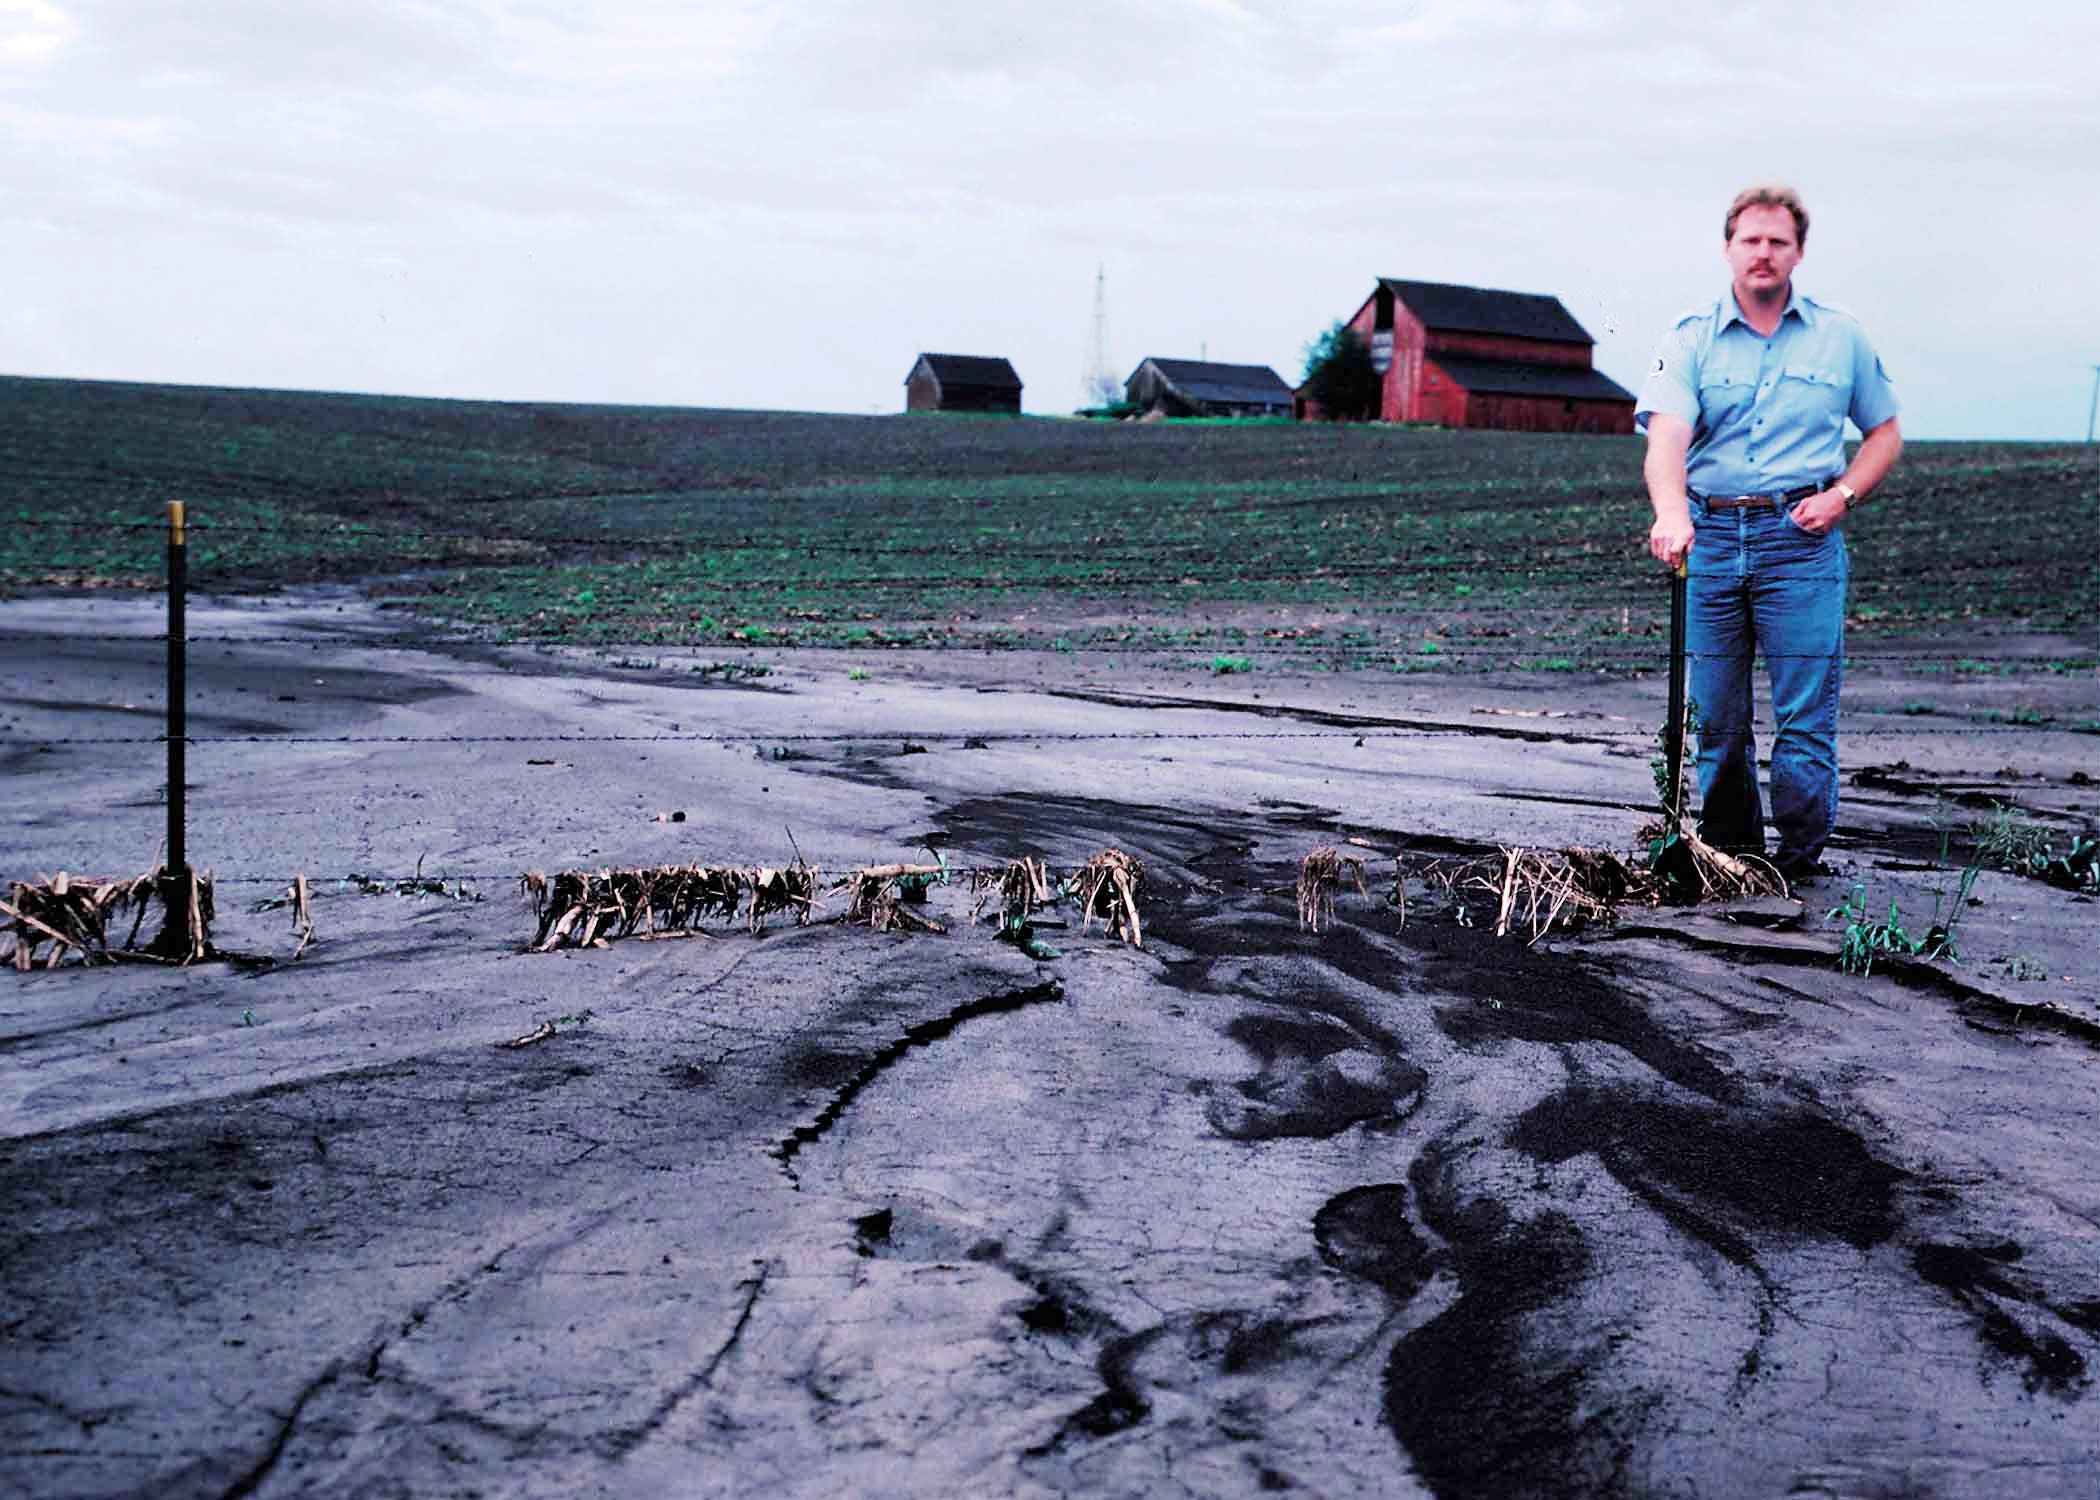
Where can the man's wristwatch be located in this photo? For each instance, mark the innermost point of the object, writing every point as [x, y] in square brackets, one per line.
[1851, 495]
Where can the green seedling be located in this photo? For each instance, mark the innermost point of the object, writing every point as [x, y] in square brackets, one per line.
[729, 671]
[1019, 931]
[1866, 941]
[1669, 854]
[913, 888]
[2010, 843]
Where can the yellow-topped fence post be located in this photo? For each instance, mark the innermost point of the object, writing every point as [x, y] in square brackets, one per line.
[177, 891]
[178, 717]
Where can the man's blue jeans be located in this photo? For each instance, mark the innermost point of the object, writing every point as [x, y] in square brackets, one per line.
[1759, 583]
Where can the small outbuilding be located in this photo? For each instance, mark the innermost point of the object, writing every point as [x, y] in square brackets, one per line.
[1198, 388]
[962, 382]
[1465, 356]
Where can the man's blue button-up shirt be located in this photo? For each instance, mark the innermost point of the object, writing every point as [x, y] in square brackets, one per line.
[1767, 414]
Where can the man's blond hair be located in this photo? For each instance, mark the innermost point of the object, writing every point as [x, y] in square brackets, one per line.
[1770, 195]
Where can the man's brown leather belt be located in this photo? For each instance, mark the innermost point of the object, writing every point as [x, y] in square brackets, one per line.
[1756, 502]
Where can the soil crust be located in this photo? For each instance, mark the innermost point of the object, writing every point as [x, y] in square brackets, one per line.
[1671, 1206]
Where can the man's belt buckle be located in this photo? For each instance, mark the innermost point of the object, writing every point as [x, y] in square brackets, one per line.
[1759, 502]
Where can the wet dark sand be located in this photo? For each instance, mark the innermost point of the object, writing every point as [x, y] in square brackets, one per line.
[1674, 1208]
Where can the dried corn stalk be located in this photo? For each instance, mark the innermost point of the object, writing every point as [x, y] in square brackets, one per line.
[66, 914]
[299, 897]
[1022, 886]
[1541, 889]
[1107, 887]
[1320, 874]
[883, 896]
[1716, 876]
[582, 908]
[792, 888]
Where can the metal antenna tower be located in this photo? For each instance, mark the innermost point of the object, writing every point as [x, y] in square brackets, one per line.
[1099, 384]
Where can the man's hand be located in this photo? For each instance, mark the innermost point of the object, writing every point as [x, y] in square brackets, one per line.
[1670, 541]
[1670, 538]
[1820, 512]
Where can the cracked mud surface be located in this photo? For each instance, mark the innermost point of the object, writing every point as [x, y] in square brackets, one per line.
[1391, 1209]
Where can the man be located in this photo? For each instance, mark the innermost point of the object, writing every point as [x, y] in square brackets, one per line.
[1745, 415]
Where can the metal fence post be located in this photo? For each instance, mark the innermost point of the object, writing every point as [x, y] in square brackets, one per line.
[178, 716]
[181, 933]
[1673, 734]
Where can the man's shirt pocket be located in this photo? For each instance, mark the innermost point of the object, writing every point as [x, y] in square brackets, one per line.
[1724, 398]
[1811, 400]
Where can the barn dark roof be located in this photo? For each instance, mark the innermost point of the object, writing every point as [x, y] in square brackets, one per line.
[1514, 377]
[970, 369]
[1473, 309]
[1236, 384]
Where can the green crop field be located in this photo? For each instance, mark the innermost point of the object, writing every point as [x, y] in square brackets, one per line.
[1317, 544]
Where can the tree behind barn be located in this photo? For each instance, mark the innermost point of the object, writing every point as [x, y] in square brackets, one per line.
[1340, 380]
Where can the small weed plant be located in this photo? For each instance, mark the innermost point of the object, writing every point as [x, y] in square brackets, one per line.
[2005, 841]
[729, 671]
[1868, 941]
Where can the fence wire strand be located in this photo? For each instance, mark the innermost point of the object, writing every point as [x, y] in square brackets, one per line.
[1637, 653]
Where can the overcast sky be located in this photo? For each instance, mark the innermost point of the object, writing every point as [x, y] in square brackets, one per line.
[772, 204]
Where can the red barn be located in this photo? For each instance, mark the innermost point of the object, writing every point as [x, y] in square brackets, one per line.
[1465, 356]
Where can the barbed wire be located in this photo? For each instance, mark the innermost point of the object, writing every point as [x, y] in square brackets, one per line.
[843, 868]
[1047, 737]
[1639, 652]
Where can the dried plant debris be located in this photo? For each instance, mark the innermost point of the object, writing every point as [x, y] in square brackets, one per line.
[539, 1033]
[545, 1031]
[884, 896]
[1320, 875]
[417, 884]
[302, 913]
[1543, 889]
[298, 896]
[1022, 885]
[1107, 887]
[1685, 868]
[49, 919]
[586, 908]
[1023, 888]
[791, 889]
